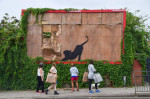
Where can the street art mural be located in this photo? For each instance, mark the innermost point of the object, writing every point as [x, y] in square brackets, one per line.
[76, 36]
[71, 55]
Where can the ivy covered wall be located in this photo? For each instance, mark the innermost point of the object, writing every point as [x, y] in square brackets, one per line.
[18, 71]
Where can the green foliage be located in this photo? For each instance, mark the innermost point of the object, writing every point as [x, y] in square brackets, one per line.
[127, 57]
[69, 9]
[18, 71]
[10, 35]
[47, 34]
[140, 36]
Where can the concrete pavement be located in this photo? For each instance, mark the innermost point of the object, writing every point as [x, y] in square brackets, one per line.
[66, 93]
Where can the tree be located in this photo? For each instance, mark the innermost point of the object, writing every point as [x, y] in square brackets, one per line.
[140, 36]
[140, 32]
[10, 34]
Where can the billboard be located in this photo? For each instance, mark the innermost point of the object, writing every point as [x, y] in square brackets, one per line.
[77, 35]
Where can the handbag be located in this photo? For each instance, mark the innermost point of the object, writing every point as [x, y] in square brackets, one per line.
[85, 77]
[51, 78]
[97, 77]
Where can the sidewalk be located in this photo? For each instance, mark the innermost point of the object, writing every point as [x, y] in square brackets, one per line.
[64, 93]
[82, 93]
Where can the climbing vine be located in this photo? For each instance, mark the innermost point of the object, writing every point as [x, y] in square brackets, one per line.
[140, 37]
[18, 71]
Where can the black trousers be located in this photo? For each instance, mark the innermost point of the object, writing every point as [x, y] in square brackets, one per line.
[90, 82]
[40, 84]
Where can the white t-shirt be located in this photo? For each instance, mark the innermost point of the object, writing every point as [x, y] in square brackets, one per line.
[91, 71]
[74, 72]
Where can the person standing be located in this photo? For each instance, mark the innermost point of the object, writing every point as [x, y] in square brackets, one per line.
[90, 76]
[53, 85]
[40, 77]
[74, 76]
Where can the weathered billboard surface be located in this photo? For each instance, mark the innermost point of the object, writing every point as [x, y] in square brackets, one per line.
[77, 35]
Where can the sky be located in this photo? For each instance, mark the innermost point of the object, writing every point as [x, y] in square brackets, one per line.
[14, 7]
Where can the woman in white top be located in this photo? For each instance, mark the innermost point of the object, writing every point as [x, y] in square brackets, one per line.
[53, 85]
[40, 77]
[90, 76]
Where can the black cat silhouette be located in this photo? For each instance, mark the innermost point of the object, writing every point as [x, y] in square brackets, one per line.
[76, 53]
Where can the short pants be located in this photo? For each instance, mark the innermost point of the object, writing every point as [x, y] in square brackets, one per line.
[74, 78]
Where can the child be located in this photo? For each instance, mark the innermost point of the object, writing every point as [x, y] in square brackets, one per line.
[74, 76]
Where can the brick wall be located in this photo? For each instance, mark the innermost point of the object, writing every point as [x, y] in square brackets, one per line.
[137, 67]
